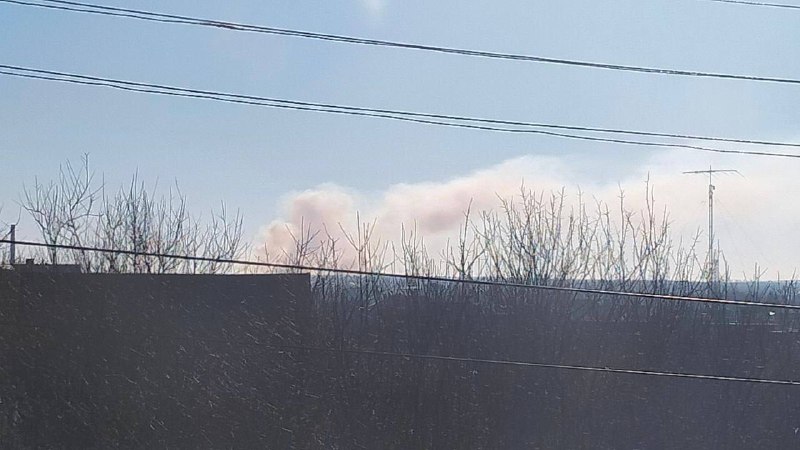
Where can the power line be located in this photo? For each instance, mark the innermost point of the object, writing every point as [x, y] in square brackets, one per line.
[477, 282]
[526, 364]
[457, 359]
[187, 20]
[427, 115]
[406, 116]
[749, 3]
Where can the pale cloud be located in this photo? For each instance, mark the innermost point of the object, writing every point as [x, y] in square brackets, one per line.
[756, 217]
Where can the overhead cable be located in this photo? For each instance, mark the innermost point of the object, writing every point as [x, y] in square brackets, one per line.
[406, 116]
[477, 282]
[180, 19]
[750, 3]
[453, 359]
[525, 364]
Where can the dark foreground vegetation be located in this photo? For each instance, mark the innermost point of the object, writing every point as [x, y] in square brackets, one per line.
[380, 402]
[192, 361]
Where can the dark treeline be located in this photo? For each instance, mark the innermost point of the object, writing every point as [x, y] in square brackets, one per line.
[391, 402]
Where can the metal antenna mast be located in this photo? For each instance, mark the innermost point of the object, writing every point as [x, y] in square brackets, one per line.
[713, 270]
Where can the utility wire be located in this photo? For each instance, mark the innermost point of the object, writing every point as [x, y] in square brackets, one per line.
[526, 364]
[749, 3]
[453, 359]
[478, 282]
[406, 116]
[180, 19]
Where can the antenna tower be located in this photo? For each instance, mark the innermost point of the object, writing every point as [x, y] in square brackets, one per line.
[712, 259]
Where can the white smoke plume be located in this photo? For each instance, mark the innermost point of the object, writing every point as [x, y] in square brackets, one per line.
[757, 214]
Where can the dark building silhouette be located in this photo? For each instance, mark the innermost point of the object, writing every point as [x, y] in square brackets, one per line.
[149, 361]
[30, 266]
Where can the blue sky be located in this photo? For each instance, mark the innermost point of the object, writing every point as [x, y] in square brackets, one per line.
[254, 159]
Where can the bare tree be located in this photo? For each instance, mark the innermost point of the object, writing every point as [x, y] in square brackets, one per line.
[73, 211]
[63, 209]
